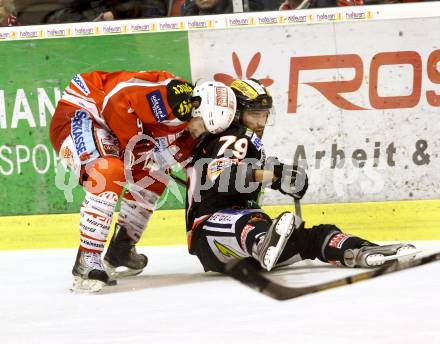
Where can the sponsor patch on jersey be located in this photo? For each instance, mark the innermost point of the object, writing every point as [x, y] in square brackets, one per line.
[82, 135]
[338, 240]
[221, 96]
[109, 142]
[249, 133]
[157, 106]
[109, 195]
[217, 166]
[79, 82]
[222, 218]
[257, 142]
[161, 143]
[67, 155]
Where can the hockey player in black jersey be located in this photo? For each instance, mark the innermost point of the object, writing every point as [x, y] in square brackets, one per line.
[223, 218]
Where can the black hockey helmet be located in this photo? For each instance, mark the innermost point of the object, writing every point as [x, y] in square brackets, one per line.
[251, 95]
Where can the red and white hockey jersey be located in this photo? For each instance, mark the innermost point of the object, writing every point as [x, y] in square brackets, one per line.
[154, 103]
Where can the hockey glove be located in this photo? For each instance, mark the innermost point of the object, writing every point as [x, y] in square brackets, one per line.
[290, 180]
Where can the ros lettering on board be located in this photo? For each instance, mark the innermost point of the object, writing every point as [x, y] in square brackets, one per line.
[333, 90]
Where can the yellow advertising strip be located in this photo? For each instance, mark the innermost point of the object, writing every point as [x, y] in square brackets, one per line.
[376, 221]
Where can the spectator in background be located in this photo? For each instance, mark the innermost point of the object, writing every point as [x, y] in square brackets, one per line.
[130, 9]
[78, 11]
[202, 7]
[334, 3]
[82, 11]
[206, 7]
[301, 4]
[295, 5]
[351, 2]
[7, 13]
[177, 8]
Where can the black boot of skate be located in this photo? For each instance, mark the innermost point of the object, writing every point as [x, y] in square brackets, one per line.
[121, 259]
[89, 274]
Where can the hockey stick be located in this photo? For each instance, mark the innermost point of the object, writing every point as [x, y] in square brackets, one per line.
[248, 275]
[297, 207]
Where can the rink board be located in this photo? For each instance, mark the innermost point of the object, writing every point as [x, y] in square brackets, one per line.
[378, 221]
[27, 101]
[383, 119]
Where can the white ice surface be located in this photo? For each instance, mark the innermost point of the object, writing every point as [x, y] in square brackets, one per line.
[174, 301]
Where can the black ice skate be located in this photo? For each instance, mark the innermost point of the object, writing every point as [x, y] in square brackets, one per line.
[121, 259]
[89, 274]
[271, 246]
[374, 256]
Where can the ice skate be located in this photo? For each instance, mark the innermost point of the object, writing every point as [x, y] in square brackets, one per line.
[121, 259]
[271, 246]
[374, 256]
[89, 274]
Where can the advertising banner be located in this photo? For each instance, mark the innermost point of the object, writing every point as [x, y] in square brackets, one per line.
[356, 102]
[33, 75]
[356, 94]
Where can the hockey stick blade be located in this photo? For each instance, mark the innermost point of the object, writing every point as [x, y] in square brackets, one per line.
[251, 277]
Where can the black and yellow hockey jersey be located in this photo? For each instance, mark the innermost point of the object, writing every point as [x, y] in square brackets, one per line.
[220, 174]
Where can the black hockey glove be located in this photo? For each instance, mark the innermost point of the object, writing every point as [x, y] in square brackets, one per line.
[290, 180]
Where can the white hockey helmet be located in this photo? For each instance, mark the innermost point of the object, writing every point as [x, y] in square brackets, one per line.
[217, 105]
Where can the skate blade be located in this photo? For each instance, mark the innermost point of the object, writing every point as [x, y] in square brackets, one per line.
[403, 255]
[86, 286]
[284, 228]
[120, 271]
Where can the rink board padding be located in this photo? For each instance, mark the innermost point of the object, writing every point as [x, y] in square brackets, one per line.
[362, 113]
[377, 221]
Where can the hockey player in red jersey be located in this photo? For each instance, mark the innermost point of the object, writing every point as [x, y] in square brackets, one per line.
[224, 220]
[119, 130]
